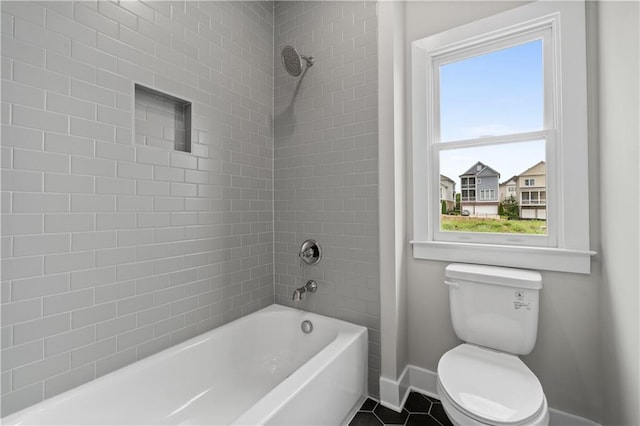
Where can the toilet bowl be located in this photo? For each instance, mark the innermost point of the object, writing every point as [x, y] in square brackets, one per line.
[494, 311]
[479, 386]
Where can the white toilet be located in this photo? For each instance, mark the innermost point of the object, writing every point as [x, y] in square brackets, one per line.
[483, 382]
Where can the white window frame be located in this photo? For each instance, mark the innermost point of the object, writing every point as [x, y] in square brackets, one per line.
[529, 182]
[566, 246]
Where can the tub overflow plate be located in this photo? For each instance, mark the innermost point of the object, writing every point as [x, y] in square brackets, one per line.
[306, 326]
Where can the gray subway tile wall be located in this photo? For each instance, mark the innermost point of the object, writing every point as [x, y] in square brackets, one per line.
[112, 250]
[326, 162]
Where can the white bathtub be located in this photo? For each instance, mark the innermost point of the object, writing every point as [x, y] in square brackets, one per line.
[260, 369]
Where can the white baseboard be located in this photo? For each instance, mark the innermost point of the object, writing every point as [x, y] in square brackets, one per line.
[393, 394]
[423, 381]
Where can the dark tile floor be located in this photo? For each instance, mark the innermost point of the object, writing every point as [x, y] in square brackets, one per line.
[419, 410]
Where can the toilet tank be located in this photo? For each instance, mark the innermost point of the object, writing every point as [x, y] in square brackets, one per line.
[494, 307]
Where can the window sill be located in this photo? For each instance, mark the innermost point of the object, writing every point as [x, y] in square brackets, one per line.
[542, 258]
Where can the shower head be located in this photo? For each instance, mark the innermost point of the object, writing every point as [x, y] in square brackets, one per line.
[292, 61]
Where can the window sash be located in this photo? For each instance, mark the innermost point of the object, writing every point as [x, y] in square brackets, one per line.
[470, 194]
[435, 146]
[444, 56]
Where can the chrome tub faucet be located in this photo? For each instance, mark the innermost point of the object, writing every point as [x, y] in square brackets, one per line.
[310, 287]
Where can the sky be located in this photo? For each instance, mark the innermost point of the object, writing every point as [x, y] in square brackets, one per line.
[493, 94]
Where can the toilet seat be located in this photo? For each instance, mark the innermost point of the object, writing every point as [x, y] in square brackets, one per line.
[491, 387]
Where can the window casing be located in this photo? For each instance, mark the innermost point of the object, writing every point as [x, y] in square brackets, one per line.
[565, 247]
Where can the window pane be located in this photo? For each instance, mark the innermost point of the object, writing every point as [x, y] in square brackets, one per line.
[493, 94]
[482, 189]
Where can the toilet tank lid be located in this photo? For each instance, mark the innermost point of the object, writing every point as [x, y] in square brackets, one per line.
[511, 277]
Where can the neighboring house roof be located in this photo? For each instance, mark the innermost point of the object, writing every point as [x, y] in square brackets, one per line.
[537, 169]
[513, 180]
[480, 169]
[443, 177]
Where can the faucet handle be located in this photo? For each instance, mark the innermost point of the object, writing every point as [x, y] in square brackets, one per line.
[310, 252]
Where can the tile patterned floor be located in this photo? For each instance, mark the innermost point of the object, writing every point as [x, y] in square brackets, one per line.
[419, 410]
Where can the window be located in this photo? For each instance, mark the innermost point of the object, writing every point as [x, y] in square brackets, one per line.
[530, 198]
[499, 97]
[487, 194]
[493, 120]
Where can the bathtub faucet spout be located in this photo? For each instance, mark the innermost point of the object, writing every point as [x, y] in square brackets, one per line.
[310, 287]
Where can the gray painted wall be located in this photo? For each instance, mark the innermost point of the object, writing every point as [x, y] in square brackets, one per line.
[618, 52]
[567, 354]
[325, 167]
[114, 250]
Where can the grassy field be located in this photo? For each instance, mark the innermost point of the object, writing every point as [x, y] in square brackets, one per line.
[474, 224]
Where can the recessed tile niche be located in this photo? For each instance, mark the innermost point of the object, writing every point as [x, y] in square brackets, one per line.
[162, 120]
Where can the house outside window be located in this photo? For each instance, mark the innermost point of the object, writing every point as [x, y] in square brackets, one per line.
[507, 189]
[533, 199]
[481, 200]
[447, 192]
